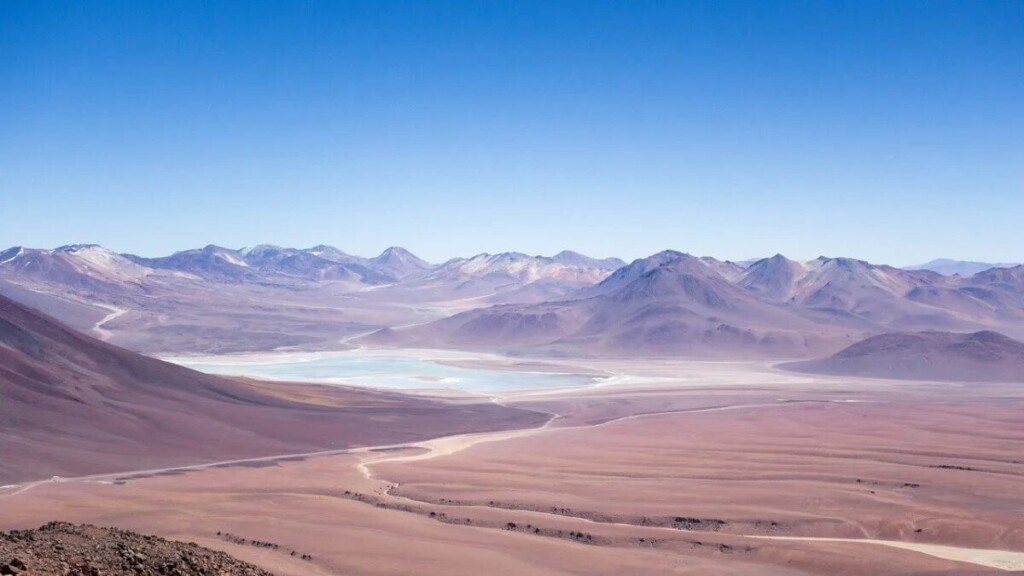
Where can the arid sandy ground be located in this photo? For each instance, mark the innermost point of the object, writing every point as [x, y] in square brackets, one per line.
[688, 468]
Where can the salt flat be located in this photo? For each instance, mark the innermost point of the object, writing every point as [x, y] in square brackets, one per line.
[399, 369]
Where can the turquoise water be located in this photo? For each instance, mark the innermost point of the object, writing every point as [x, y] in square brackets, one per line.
[396, 372]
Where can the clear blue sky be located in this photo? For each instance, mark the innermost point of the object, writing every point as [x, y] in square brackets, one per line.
[891, 131]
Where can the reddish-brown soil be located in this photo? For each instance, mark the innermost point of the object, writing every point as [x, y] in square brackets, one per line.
[704, 487]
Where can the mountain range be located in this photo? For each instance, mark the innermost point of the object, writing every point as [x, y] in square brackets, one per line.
[215, 299]
[677, 304]
[959, 267]
[93, 265]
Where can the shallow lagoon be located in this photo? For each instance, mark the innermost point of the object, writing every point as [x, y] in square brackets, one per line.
[382, 371]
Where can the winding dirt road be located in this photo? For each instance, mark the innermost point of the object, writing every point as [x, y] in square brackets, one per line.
[115, 313]
[998, 559]
[448, 445]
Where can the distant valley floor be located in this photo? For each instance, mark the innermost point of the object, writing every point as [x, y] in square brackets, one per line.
[673, 466]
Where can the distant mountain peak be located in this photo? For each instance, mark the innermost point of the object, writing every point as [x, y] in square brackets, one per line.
[775, 277]
[845, 262]
[667, 256]
[210, 249]
[77, 247]
[11, 254]
[396, 252]
[776, 260]
[321, 248]
[625, 275]
[400, 262]
[333, 254]
[571, 258]
[261, 249]
[568, 254]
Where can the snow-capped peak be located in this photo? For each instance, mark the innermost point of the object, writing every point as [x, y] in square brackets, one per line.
[11, 254]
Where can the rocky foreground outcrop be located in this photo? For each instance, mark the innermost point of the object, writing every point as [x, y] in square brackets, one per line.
[60, 548]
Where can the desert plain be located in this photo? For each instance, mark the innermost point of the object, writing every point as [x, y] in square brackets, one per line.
[664, 466]
[512, 288]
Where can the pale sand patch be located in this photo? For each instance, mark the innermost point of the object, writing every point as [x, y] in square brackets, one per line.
[439, 447]
[999, 559]
[448, 445]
